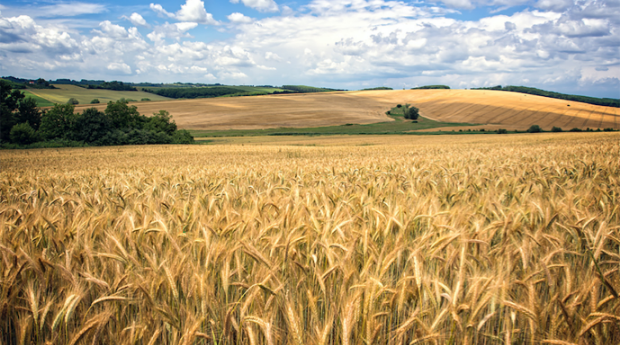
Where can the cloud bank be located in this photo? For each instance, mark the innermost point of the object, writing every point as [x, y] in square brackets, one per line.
[565, 46]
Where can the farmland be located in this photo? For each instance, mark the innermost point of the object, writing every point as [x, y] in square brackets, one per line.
[64, 92]
[491, 109]
[339, 240]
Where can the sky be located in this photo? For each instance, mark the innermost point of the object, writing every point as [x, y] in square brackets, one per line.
[559, 45]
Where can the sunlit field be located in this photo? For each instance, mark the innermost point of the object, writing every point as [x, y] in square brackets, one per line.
[344, 240]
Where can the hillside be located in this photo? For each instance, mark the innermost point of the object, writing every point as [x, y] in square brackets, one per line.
[493, 109]
[64, 92]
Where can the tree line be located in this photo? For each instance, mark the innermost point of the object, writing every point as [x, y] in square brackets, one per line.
[113, 85]
[22, 123]
[608, 102]
[195, 92]
[432, 87]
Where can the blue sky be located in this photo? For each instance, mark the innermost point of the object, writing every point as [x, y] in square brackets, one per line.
[560, 45]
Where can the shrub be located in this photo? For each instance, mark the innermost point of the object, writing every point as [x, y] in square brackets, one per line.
[145, 99]
[608, 129]
[534, 129]
[502, 131]
[576, 130]
[23, 134]
[95, 101]
[73, 101]
[556, 129]
[182, 137]
[413, 113]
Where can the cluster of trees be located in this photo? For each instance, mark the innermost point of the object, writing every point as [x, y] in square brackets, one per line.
[196, 92]
[20, 83]
[432, 87]
[307, 89]
[609, 102]
[113, 85]
[378, 88]
[409, 112]
[22, 123]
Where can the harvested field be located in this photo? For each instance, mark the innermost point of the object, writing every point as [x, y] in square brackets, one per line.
[497, 109]
[505, 109]
[383, 240]
[272, 111]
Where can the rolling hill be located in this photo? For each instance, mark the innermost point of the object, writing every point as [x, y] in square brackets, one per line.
[64, 92]
[492, 109]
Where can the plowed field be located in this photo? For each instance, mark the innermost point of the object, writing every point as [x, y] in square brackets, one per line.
[492, 108]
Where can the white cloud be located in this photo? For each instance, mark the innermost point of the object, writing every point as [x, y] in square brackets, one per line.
[136, 19]
[339, 43]
[176, 31]
[239, 18]
[120, 67]
[157, 8]
[71, 9]
[192, 11]
[260, 5]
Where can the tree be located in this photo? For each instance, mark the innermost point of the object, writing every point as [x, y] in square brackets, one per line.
[91, 126]
[161, 122]
[23, 134]
[28, 112]
[412, 113]
[73, 101]
[57, 122]
[9, 101]
[122, 115]
[95, 101]
[534, 129]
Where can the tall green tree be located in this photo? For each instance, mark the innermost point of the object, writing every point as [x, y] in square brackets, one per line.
[28, 112]
[9, 100]
[57, 123]
[161, 122]
[122, 115]
[91, 126]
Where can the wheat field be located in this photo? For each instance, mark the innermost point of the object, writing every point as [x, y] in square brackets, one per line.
[372, 240]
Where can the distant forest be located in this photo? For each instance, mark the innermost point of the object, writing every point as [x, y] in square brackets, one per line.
[202, 92]
[220, 91]
[432, 87]
[608, 102]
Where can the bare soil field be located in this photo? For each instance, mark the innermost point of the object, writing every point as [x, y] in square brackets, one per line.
[494, 109]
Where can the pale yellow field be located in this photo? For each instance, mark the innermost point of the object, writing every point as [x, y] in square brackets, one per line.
[509, 110]
[342, 240]
[494, 109]
[85, 96]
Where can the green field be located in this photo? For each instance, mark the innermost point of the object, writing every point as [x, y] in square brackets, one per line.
[41, 102]
[64, 92]
[398, 126]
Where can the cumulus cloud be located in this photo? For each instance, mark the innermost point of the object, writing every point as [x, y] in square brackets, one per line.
[340, 43]
[260, 5]
[157, 8]
[136, 19]
[119, 67]
[176, 31]
[239, 18]
[192, 11]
